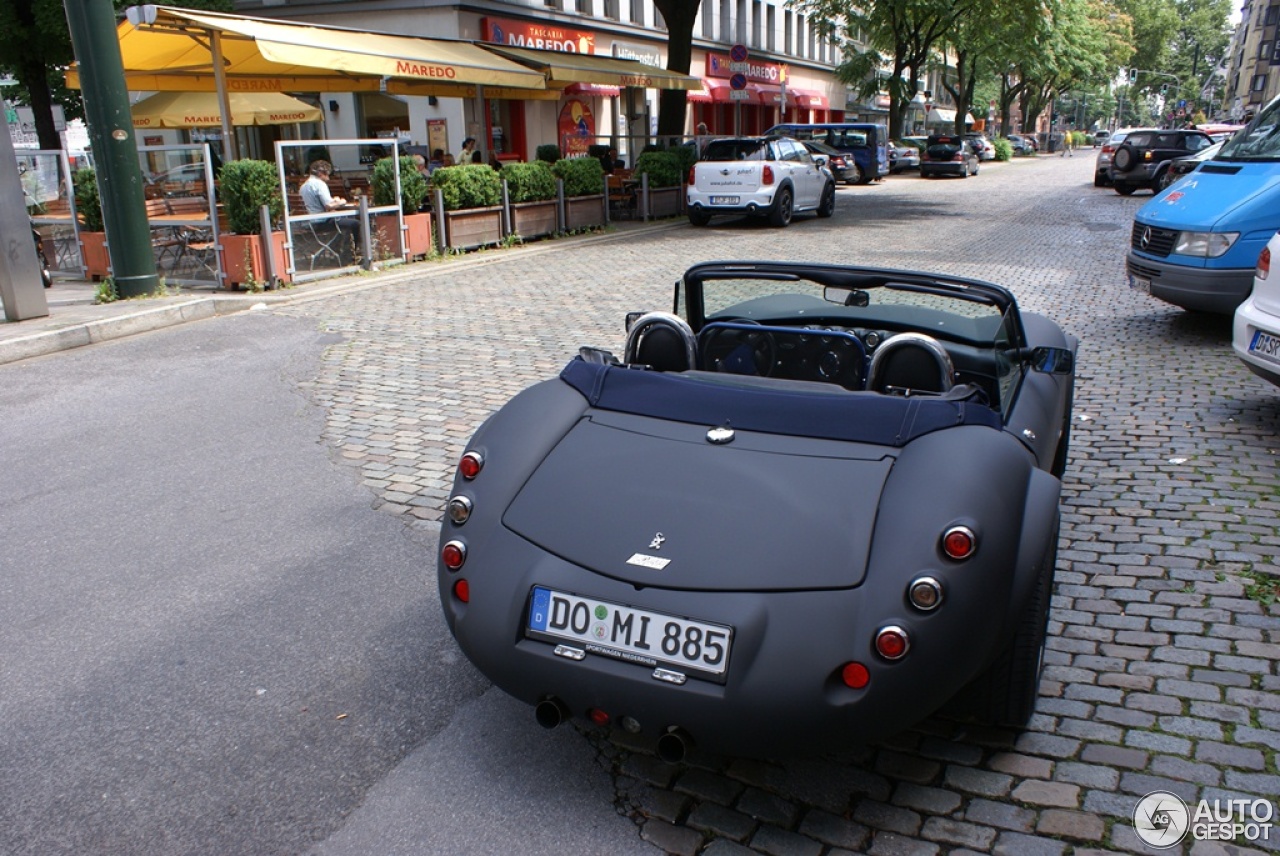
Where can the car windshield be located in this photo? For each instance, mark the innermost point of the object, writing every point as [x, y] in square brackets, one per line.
[735, 150]
[1259, 141]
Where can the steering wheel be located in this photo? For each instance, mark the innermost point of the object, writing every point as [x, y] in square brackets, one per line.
[736, 348]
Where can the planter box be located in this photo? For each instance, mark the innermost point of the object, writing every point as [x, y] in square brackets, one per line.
[534, 219]
[417, 236]
[243, 261]
[420, 243]
[584, 212]
[93, 252]
[469, 228]
[665, 202]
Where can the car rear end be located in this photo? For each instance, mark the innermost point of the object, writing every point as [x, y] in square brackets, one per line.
[944, 155]
[734, 177]
[1102, 166]
[1256, 332]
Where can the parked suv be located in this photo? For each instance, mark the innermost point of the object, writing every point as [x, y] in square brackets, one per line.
[1142, 159]
[1102, 166]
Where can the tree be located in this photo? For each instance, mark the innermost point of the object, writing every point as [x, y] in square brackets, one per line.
[679, 16]
[35, 47]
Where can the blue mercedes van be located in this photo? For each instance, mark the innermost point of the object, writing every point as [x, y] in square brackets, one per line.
[866, 141]
[1196, 243]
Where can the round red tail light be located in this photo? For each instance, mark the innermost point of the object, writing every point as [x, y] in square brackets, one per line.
[892, 643]
[462, 591]
[453, 554]
[471, 465]
[855, 675]
[598, 716]
[959, 542]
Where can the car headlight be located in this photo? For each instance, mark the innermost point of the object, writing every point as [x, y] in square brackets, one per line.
[1207, 245]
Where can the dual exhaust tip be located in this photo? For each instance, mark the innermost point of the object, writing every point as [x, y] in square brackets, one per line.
[673, 746]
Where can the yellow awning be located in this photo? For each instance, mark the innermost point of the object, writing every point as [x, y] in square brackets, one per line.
[165, 48]
[562, 68]
[201, 110]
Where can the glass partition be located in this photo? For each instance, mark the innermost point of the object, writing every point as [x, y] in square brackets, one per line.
[180, 187]
[51, 205]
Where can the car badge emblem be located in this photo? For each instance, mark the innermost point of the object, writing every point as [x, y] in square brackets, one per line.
[1145, 240]
[653, 563]
[720, 436]
[656, 543]
[724, 171]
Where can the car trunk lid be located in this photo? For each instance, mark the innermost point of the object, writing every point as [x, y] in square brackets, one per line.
[656, 503]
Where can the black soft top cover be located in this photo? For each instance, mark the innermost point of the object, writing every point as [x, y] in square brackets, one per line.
[809, 411]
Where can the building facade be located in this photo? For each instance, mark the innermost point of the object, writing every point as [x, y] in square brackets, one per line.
[1253, 73]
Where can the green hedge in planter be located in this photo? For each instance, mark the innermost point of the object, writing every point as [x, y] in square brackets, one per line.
[529, 182]
[665, 169]
[548, 152]
[88, 201]
[581, 176]
[245, 186]
[1004, 149]
[413, 184]
[468, 186]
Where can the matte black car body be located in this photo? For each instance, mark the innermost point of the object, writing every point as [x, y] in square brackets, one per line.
[777, 466]
[1142, 159]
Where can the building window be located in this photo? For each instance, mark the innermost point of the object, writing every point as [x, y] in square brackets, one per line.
[1264, 50]
[583, 7]
[757, 22]
[788, 25]
[611, 10]
[1273, 12]
[771, 27]
[740, 28]
[1259, 83]
[708, 19]
[726, 21]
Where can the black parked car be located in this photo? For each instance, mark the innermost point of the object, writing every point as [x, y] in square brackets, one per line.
[948, 154]
[810, 509]
[1178, 167]
[1143, 158]
[841, 164]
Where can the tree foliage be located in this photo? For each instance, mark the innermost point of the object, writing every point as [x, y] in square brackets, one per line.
[35, 47]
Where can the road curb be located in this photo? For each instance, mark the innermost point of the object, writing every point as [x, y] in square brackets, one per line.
[95, 331]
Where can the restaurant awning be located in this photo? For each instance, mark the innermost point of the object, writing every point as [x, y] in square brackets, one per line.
[201, 110]
[561, 68]
[166, 48]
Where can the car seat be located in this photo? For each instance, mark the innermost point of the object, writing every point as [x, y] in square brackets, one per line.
[662, 341]
[910, 363]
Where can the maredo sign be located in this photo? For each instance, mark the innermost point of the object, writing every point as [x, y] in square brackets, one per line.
[525, 34]
[757, 71]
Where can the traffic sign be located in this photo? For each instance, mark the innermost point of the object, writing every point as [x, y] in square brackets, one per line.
[738, 53]
[738, 81]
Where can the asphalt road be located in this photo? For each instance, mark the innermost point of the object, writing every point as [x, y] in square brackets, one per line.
[218, 610]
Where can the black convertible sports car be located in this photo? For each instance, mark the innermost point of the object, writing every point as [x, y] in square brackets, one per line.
[810, 507]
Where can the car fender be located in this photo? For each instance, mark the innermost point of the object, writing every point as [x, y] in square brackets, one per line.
[970, 476]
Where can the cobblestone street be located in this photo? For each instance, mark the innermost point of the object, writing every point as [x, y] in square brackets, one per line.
[1161, 672]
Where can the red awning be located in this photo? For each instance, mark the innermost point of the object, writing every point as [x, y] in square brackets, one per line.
[699, 96]
[806, 99]
[599, 89]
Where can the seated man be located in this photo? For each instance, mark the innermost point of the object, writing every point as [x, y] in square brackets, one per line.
[318, 200]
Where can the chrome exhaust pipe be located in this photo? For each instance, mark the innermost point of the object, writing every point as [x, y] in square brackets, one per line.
[550, 712]
[674, 745]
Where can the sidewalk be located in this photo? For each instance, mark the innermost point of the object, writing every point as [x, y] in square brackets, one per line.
[74, 320]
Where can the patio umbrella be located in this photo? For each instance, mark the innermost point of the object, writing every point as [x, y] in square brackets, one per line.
[201, 110]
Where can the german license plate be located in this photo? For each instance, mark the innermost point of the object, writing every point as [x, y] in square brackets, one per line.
[628, 633]
[1265, 345]
[724, 200]
[1141, 283]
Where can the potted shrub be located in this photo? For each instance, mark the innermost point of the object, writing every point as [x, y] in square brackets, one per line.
[548, 153]
[584, 199]
[413, 189]
[666, 171]
[531, 190]
[93, 236]
[245, 186]
[471, 196]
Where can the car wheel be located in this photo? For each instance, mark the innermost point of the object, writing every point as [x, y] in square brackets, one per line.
[1164, 179]
[699, 218]
[976, 167]
[780, 214]
[827, 206]
[1124, 189]
[1005, 694]
[1123, 158]
[858, 177]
